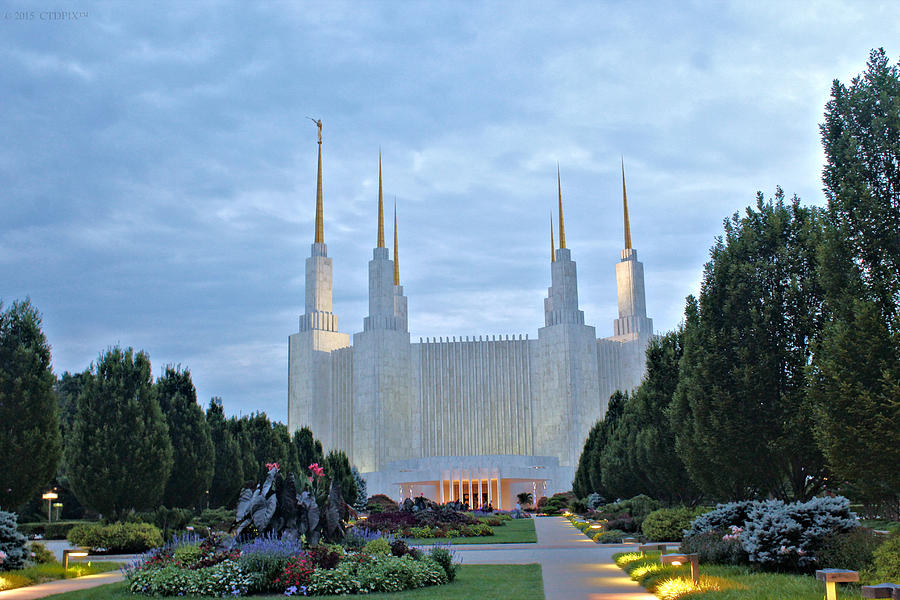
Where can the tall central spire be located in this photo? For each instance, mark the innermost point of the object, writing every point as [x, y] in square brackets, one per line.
[552, 243]
[396, 248]
[320, 226]
[625, 203]
[380, 206]
[562, 225]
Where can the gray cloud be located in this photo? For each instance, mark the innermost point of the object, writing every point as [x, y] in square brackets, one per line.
[159, 172]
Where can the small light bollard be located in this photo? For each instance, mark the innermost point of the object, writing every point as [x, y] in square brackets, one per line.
[76, 552]
[882, 590]
[629, 540]
[832, 577]
[652, 548]
[680, 559]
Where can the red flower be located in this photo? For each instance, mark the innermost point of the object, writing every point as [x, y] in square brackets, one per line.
[317, 470]
[270, 466]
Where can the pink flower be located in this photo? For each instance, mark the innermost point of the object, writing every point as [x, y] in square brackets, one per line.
[270, 466]
[317, 470]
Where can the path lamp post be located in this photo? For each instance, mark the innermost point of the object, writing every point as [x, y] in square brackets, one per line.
[680, 559]
[76, 552]
[50, 497]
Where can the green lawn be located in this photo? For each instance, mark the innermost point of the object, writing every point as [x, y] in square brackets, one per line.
[10, 580]
[516, 531]
[485, 582]
[724, 582]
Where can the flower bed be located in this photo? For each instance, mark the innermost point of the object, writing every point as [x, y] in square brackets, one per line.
[190, 565]
[441, 522]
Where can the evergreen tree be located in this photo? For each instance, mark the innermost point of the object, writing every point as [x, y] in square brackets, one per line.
[30, 443]
[855, 374]
[362, 495]
[337, 469]
[307, 449]
[228, 474]
[67, 389]
[640, 456]
[118, 454]
[741, 413]
[238, 429]
[193, 453]
[588, 474]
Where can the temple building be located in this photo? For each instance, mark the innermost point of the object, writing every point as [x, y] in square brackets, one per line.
[478, 419]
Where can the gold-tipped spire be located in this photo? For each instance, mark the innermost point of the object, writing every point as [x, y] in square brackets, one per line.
[320, 225]
[396, 248]
[625, 204]
[562, 225]
[380, 206]
[552, 242]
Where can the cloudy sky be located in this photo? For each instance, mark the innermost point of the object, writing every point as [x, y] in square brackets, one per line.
[157, 170]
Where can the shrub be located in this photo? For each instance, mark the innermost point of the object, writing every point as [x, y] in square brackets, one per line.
[725, 516]
[790, 535]
[378, 546]
[12, 543]
[594, 500]
[381, 503]
[118, 537]
[224, 579]
[715, 547]
[849, 550]
[57, 530]
[612, 536]
[668, 524]
[265, 558]
[38, 554]
[887, 559]
[444, 557]
[324, 557]
[623, 522]
[216, 518]
[168, 520]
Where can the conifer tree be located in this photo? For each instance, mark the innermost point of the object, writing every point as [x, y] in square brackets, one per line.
[193, 452]
[308, 450]
[30, 444]
[228, 474]
[337, 468]
[855, 374]
[741, 414]
[118, 454]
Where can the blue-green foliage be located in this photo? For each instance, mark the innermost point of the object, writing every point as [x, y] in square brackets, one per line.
[12, 543]
[775, 534]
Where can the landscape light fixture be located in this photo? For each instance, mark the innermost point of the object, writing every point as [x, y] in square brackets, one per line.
[50, 497]
[832, 577]
[76, 552]
[680, 559]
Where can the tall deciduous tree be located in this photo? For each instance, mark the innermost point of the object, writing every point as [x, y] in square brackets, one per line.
[30, 444]
[741, 413]
[228, 475]
[118, 454]
[856, 369]
[193, 453]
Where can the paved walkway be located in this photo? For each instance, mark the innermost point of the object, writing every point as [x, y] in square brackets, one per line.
[574, 567]
[59, 586]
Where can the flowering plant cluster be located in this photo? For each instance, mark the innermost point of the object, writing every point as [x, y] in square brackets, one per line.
[269, 564]
[734, 535]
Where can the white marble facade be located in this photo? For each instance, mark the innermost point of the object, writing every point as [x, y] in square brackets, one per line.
[473, 418]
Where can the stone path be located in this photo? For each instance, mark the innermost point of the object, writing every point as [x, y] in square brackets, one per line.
[574, 567]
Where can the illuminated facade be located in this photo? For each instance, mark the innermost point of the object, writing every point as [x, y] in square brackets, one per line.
[476, 419]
